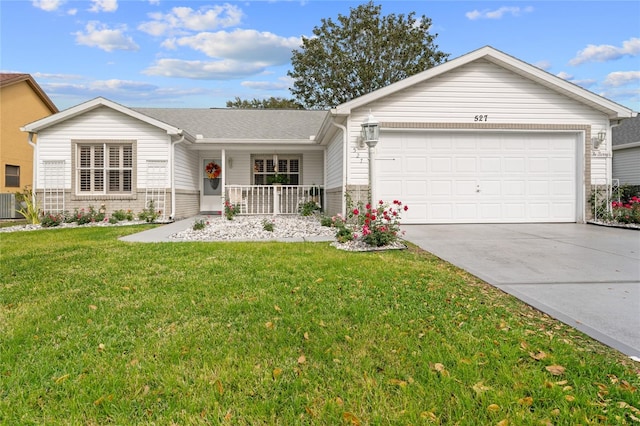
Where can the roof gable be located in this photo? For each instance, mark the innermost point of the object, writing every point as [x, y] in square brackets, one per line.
[80, 109]
[8, 79]
[612, 109]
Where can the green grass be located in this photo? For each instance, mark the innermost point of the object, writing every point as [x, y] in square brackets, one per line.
[94, 330]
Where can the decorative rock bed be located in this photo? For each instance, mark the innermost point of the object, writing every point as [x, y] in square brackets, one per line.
[251, 228]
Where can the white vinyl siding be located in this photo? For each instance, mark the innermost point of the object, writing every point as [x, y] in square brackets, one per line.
[335, 158]
[186, 173]
[102, 124]
[312, 168]
[626, 165]
[480, 88]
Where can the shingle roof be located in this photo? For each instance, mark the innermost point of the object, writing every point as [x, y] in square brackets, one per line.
[627, 132]
[8, 78]
[241, 123]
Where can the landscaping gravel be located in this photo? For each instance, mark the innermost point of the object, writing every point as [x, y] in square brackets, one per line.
[246, 228]
[251, 228]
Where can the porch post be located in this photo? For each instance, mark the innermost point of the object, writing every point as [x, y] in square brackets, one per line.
[276, 199]
[223, 180]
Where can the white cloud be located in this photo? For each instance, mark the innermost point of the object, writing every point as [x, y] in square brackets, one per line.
[498, 13]
[120, 90]
[202, 70]
[72, 12]
[623, 78]
[543, 65]
[185, 18]
[104, 6]
[565, 76]
[101, 36]
[282, 83]
[607, 52]
[243, 45]
[48, 5]
[56, 76]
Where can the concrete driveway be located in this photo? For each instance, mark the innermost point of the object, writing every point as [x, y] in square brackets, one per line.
[586, 276]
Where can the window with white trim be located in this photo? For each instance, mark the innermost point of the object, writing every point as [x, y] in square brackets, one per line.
[104, 168]
[268, 169]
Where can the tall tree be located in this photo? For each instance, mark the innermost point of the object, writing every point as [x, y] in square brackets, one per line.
[270, 103]
[360, 53]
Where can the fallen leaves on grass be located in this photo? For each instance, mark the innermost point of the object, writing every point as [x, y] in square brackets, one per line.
[481, 388]
[277, 372]
[398, 382]
[440, 368]
[351, 418]
[538, 356]
[556, 370]
[493, 408]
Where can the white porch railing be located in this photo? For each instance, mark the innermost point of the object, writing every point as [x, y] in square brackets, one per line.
[272, 199]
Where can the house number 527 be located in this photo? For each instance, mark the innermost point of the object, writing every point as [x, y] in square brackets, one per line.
[481, 118]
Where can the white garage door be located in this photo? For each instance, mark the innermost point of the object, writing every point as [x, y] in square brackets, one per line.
[475, 177]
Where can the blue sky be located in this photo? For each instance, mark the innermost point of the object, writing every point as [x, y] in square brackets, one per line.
[204, 53]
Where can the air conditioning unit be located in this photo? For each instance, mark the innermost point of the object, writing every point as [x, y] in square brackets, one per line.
[8, 207]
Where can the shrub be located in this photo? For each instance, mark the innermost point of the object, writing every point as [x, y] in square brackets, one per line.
[381, 224]
[307, 209]
[344, 232]
[149, 214]
[121, 215]
[626, 212]
[49, 220]
[229, 210]
[82, 216]
[326, 221]
[113, 220]
[30, 209]
[267, 225]
[199, 225]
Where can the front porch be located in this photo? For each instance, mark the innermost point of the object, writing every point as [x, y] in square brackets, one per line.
[272, 199]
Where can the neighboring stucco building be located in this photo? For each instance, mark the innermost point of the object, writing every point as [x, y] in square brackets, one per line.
[21, 101]
[483, 138]
[626, 152]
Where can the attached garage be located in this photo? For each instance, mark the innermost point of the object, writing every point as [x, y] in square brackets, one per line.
[483, 138]
[480, 176]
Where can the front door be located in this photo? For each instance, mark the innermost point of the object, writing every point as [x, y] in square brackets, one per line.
[211, 198]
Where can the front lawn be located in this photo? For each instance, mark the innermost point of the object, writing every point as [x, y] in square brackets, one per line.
[96, 331]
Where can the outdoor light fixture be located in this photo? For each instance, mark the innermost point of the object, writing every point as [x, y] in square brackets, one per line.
[370, 131]
[370, 135]
[599, 139]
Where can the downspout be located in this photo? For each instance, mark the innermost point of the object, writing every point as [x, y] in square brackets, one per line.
[172, 174]
[344, 164]
[35, 167]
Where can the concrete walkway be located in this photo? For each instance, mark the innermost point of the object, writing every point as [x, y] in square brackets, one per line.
[586, 276]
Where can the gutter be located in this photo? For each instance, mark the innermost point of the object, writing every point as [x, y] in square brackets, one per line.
[344, 163]
[35, 166]
[172, 154]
